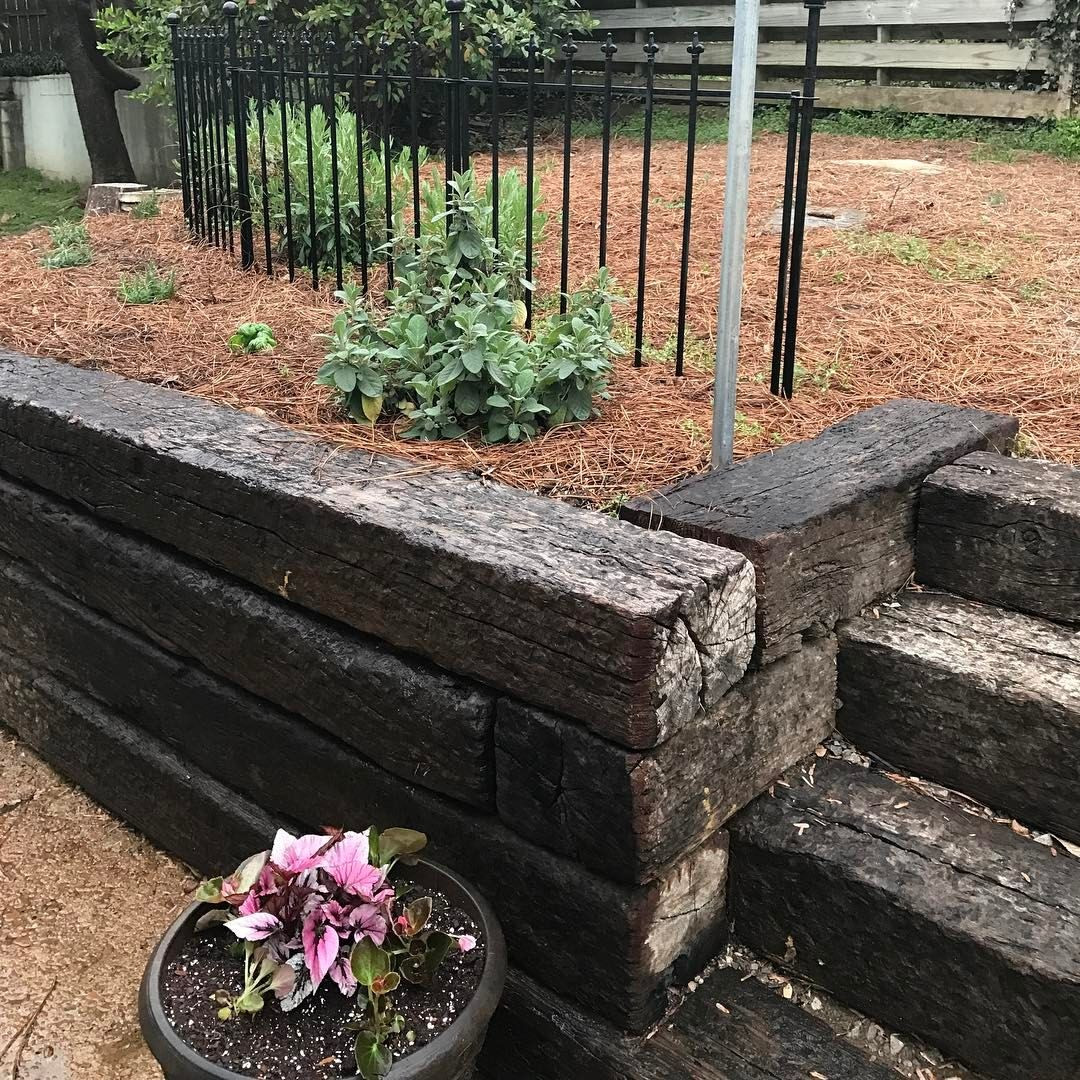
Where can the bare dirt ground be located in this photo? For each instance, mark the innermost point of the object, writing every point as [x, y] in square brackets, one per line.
[82, 901]
[963, 287]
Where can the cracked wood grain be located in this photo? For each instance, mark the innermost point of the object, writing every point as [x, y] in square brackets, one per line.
[421, 723]
[829, 523]
[562, 607]
[627, 813]
[980, 699]
[1004, 530]
[927, 918]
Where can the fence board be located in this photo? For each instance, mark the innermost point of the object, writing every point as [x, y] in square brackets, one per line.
[836, 13]
[917, 55]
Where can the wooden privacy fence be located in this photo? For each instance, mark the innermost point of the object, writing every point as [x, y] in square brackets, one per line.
[963, 57]
[24, 28]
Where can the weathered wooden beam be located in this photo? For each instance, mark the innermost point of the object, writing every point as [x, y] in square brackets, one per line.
[632, 942]
[731, 1028]
[924, 917]
[560, 606]
[417, 721]
[836, 13]
[626, 814]
[982, 700]
[958, 56]
[137, 777]
[1004, 530]
[829, 523]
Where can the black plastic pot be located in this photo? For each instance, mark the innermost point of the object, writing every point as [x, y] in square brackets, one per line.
[449, 1057]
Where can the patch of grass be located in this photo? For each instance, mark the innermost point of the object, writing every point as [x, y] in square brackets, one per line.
[615, 504]
[147, 286]
[70, 246]
[951, 260]
[1032, 290]
[148, 207]
[28, 199]
[746, 428]
[1001, 140]
[63, 258]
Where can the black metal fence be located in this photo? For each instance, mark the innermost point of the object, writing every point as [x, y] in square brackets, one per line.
[25, 28]
[313, 155]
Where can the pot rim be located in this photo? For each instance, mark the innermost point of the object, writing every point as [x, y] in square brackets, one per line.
[478, 1011]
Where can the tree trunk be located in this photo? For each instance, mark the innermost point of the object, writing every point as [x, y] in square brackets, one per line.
[95, 80]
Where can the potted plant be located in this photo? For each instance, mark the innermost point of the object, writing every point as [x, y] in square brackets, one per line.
[332, 954]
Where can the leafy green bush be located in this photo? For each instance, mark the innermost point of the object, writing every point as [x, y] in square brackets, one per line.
[148, 286]
[451, 355]
[68, 234]
[253, 337]
[135, 32]
[320, 231]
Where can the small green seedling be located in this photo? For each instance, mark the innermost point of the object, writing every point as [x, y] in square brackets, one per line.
[253, 337]
[147, 207]
[148, 286]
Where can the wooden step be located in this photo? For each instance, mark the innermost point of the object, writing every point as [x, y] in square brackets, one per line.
[829, 523]
[1004, 530]
[983, 700]
[928, 918]
[730, 1028]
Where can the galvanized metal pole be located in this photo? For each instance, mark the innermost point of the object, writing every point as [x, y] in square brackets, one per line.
[733, 249]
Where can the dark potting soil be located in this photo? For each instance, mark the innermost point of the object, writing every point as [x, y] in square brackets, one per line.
[311, 1042]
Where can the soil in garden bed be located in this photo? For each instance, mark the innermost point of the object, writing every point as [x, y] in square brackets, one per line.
[312, 1042]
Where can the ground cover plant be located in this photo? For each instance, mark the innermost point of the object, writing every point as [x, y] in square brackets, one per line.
[28, 199]
[148, 285]
[253, 338]
[324, 909]
[70, 246]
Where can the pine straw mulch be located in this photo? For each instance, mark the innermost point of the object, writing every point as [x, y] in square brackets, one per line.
[986, 313]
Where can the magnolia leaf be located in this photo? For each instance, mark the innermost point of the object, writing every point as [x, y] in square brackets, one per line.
[368, 962]
[372, 407]
[212, 918]
[209, 892]
[373, 1060]
[400, 843]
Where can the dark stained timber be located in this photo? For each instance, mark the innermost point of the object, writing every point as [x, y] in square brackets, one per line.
[1006, 531]
[626, 813]
[983, 700]
[629, 632]
[421, 723]
[829, 523]
[927, 918]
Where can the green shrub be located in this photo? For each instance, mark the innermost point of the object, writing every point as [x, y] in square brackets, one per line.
[451, 356]
[253, 337]
[68, 234]
[320, 231]
[148, 286]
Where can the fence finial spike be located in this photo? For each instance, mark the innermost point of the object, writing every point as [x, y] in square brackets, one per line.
[455, 6]
[173, 18]
[230, 9]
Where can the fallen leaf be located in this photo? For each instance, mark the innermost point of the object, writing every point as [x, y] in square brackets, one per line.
[1072, 849]
[787, 992]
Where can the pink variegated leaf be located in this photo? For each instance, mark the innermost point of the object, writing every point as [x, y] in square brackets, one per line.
[321, 944]
[254, 927]
[295, 854]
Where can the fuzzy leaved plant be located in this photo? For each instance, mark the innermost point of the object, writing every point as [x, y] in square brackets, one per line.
[453, 357]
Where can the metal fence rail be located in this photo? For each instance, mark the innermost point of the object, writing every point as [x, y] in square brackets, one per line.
[241, 97]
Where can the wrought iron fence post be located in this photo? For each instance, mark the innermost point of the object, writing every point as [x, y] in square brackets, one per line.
[173, 20]
[806, 126]
[231, 12]
[457, 144]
